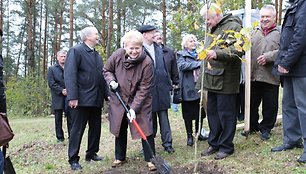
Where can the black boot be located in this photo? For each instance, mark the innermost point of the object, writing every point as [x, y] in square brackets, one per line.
[189, 139]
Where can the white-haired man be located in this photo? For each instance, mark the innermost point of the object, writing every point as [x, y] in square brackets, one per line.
[221, 80]
[86, 89]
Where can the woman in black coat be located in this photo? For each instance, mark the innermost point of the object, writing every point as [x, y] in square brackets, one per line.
[189, 69]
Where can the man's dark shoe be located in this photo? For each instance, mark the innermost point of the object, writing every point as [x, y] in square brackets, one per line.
[59, 141]
[95, 157]
[286, 147]
[209, 151]
[265, 136]
[302, 159]
[189, 139]
[169, 149]
[76, 166]
[244, 133]
[222, 155]
[202, 138]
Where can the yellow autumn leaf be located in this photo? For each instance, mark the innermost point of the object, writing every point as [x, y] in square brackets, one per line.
[255, 24]
[202, 55]
[196, 26]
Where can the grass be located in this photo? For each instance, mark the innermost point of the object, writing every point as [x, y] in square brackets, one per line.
[34, 150]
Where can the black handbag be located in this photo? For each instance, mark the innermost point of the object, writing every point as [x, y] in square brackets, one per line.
[177, 96]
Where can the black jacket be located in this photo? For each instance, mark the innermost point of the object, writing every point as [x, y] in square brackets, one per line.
[170, 61]
[292, 52]
[56, 84]
[83, 76]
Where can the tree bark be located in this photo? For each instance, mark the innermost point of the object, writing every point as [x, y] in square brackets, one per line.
[110, 28]
[30, 40]
[71, 23]
[45, 57]
[164, 11]
[103, 26]
[119, 14]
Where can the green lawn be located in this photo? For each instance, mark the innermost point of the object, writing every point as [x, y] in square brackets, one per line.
[34, 150]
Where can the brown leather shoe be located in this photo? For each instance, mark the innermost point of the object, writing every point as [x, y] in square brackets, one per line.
[221, 155]
[151, 166]
[117, 163]
[209, 151]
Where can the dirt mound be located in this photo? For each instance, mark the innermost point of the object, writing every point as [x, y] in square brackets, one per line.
[202, 168]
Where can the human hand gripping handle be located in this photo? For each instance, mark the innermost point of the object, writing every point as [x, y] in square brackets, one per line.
[113, 85]
[131, 115]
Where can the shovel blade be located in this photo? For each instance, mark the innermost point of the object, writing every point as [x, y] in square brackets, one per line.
[161, 165]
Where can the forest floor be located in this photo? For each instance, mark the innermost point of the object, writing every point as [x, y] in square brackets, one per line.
[34, 150]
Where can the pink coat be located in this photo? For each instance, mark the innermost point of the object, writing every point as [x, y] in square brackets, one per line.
[135, 81]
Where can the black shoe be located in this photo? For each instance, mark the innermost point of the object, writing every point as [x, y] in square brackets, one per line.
[169, 149]
[286, 147]
[60, 141]
[209, 151]
[244, 133]
[240, 117]
[222, 155]
[95, 157]
[189, 140]
[75, 166]
[265, 136]
[202, 138]
[302, 159]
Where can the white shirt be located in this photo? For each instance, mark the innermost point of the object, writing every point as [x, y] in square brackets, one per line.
[150, 48]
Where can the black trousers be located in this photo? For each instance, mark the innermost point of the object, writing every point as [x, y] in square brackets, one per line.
[222, 119]
[268, 95]
[80, 117]
[165, 129]
[190, 111]
[240, 102]
[121, 143]
[58, 114]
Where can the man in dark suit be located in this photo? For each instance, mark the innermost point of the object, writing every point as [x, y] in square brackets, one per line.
[86, 89]
[58, 94]
[171, 64]
[161, 87]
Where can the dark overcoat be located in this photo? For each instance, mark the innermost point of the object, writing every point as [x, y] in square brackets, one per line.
[83, 76]
[135, 79]
[292, 51]
[161, 83]
[186, 65]
[171, 64]
[57, 84]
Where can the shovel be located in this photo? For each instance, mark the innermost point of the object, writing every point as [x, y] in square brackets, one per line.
[161, 165]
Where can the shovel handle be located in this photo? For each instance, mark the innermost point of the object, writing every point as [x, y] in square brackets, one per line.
[133, 121]
[139, 130]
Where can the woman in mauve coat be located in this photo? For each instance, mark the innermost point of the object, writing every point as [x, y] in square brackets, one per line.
[130, 72]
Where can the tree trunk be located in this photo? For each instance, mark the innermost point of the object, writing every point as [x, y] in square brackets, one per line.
[30, 40]
[280, 10]
[164, 11]
[45, 57]
[110, 28]
[1, 22]
[59, 40]
[55, 39]
[103, 26]
[40, 43]
[71, 23]
[277, 9]
[119, 14]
